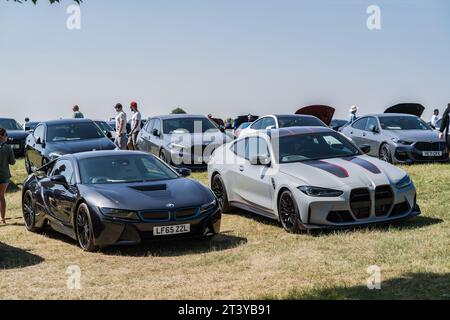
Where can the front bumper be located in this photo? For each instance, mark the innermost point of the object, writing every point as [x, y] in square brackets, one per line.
[414, 154]
[108, 231]
[352, 209]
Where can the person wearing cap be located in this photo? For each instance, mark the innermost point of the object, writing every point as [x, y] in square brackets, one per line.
[353, 110]
[76, 112]
[444, 129]
[136, 121]
[121, 128]
[434, 118]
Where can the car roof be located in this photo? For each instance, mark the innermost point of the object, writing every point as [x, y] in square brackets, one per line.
[8, 119]
[384, 115]
[288, 115]
[291, 131]
[104, 153]
[179, 116]
[66, 121]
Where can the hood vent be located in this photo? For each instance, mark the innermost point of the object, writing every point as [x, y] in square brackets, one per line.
[150, 187]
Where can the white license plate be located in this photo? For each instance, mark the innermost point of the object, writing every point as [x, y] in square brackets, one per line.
[15, 146]
[432, 153]
[168, 230]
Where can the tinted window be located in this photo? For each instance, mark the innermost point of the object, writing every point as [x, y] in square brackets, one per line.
[10, 124]
[371, 124]
[149, 125]
[157, 125]
[38, 133]
[403, 123]
[104, 126]
[360, 124]
[239, 148]
[299, 121]
[258, 125]
[268, 122]
[64, 168]
[188, 125]
[315, 146]
[123, 169]
[73, 131]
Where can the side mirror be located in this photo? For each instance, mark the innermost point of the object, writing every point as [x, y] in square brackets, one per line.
[374, 129]
[156, 133]
[38, 141]
[59, 179]
[260, 161]
[184, 172]
[365, 148]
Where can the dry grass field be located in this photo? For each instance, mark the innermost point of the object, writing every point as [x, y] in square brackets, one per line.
[252, 258]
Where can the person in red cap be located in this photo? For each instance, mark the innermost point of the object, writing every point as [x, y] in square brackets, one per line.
[136, 121]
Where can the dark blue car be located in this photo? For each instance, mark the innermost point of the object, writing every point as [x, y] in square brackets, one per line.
[16, 135]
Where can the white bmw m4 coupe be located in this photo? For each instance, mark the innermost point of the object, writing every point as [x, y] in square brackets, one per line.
[310, 178]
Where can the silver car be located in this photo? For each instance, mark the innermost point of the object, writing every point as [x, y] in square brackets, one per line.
[398, 136]
[181, 140]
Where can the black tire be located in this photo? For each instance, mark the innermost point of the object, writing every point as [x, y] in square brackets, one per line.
[29, 212]
[162, 156]
[385, 153]
[218, 187]
[83, 229]
[289, 213]
[27, 164]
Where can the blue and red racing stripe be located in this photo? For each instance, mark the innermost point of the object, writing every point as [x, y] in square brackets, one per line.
[328, 167]
[364, 163]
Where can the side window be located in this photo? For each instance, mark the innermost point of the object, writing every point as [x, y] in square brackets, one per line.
[268, 122]
[239, 148]
[360, 124]
[257, 147]
[157, 125]
[258, 125]
[371, 124]
[64, 168]
[149, 125]
[38, 133]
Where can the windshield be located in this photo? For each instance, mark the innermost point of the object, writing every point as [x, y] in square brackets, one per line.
[188, 125]
[104, 126]
[73, 131]
[10, 124]
[299, 121]
[315, 146]
[403, 123]
[123, 169]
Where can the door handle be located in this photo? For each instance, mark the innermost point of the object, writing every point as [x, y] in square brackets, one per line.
[241, 168]
[364, 134]
[351, 132]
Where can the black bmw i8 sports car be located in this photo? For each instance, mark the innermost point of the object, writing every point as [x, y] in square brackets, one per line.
[104, 198]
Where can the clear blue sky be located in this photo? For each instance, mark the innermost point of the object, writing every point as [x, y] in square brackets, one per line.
[227, 57]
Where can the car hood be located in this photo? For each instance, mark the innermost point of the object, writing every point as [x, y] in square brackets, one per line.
[415, 109]
[190, 139]
[17, 134]
[148, 195]
[414, 135]
[354, 172]
[69, 147]
[324, 113]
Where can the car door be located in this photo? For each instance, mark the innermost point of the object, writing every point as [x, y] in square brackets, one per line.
[155, 140]
[371, 135]
[357, 130]
[235, 166]
[144, 137]
[35, 149]
[255, 185]
[63, 196]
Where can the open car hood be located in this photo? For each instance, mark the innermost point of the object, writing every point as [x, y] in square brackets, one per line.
[324, 113]
[242, 119]
[414, 109]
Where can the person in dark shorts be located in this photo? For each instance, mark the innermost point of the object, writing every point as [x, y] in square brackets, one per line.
[6, 159]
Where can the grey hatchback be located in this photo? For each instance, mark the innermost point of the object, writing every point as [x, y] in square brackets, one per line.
[398, 138]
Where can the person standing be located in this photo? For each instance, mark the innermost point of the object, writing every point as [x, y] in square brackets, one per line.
[136, 121]
[121, 128]
[444, 129]
[25, 124]
[435, 118]
[6, 159]
[77, 113]
[353, 110]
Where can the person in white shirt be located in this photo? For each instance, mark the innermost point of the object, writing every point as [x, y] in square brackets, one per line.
[136, 121]
[121, 128]
[435, 118]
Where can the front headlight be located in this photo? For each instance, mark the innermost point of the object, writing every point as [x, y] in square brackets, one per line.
[404, 182]
[320, 192]
[208, 206]
[119, 214]
[404, 142]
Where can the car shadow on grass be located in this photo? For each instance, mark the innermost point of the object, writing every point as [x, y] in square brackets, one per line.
[416, 286]
[15, 258]
[13, 187]
[174, 248]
